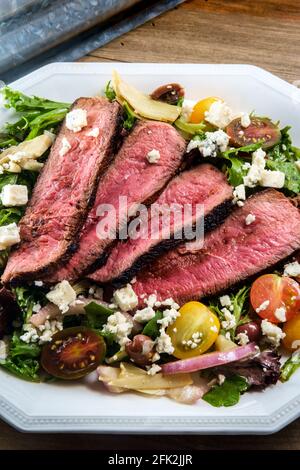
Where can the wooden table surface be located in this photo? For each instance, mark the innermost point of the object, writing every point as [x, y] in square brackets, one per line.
[260, 32]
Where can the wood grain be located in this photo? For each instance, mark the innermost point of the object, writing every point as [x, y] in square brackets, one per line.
[265, 33]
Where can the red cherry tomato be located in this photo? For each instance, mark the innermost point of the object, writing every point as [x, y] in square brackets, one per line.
[271, 292]
[73, 353]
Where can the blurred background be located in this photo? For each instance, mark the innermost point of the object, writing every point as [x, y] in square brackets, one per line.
[36, 32]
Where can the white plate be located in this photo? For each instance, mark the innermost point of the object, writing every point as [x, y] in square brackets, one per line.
[86, 406]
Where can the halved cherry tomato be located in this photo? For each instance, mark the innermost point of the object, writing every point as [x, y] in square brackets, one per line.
[73, 353]
[270, 292]
[260, 130]
[198, 113]
[194, 331]
[291, 341]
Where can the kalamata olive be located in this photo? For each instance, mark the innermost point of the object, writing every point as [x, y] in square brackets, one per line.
[259, 130]
[169, 93]
[140, 350]
[252, 330]
[8, 311]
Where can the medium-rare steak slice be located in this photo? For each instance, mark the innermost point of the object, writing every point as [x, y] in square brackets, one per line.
[64, 190]
[131, 176]
[204, 185]
[231, 253]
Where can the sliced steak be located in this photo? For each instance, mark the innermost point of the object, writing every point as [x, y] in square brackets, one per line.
[231, 253]
[204, 185]
[64, 190]
[131, 176]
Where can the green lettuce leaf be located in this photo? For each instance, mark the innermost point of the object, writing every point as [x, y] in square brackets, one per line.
[152, 327]
[227, 394]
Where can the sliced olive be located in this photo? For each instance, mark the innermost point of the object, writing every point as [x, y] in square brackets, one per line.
[169, 93]
[259, 130]
[73, 353]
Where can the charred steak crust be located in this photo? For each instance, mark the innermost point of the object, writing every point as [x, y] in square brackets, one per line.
[50, 224]
[211, 221]
[231, 253]
[204, 185]
[130, 175]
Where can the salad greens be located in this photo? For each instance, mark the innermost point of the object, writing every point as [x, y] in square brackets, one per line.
[97, 314]
[290, 366]
[227, 394]
[240, 304]
[109, 91]
[35, 116]
[152, 327]
[129, 115]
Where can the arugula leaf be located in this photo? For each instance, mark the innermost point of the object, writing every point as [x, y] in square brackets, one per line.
[109, 91]
[8, 215]
[23, 103]
[26, 368]
[189, 128]
[36, 115]
[235, 171]
[227, 394]
[240, 303]
[290, 366]
[152, 327]
[7, 140]
[130, 116]
[292, 174]
[246, 149]
[26, 297]
[97, 314]
[20, 348]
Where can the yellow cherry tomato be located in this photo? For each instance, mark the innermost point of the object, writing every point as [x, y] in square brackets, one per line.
[291, 328]
[194, 331]
[198, 113]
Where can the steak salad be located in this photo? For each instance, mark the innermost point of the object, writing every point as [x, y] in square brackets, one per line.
[151, 240]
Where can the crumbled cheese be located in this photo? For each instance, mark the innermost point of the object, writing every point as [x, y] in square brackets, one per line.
[14, 195]
[250, 219]
[133, 280]
[240, 203]
[125, 298]
[230, 321]
[239, 193]
[272, 179]
[246, 166]
[36, 308]
[151, 300]
[169, 303]
[213, 143]
[4, 347]
[120, 326]
[65, 147]
[153, 156]
[245, 120]
[144, 315]
[256, 169]
[193, 342]
[9, 235]
[169, 316]
[280, 314]
[221, 379]
[272, 332]
[42, 334]
[225, 301]
[263, 306]
[164, 343]
[187, 109]
[62, 295]
[155, 357]
[38, 283]
[93, 132]
[219, 114]
[76, 119]
[242, 339]
[292, 269]
[154, 369]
